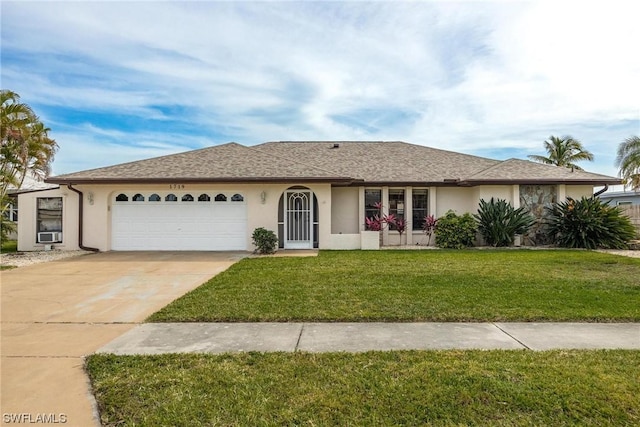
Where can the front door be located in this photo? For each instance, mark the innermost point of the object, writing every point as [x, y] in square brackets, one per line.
[298, 219]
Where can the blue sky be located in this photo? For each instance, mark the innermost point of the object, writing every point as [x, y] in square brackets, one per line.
[119, 81]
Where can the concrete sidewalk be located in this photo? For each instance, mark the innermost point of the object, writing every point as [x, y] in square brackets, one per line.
[159, 338]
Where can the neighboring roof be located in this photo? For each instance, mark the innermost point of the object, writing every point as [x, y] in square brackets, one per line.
[30, 184]
[338, 162]
[619, 194]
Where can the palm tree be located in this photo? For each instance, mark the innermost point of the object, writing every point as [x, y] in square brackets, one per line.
[563, 152]
[25, 146]
[628, 160]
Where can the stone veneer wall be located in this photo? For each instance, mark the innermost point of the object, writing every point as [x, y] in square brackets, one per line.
[535, 198]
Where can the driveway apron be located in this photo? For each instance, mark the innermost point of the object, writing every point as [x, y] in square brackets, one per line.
[55, 313]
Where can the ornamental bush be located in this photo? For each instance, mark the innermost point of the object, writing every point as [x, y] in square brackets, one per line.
[499, 222]
[455, 231]
[264, 240]
[589, 223]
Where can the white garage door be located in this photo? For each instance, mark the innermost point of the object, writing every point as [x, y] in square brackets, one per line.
[171, 222]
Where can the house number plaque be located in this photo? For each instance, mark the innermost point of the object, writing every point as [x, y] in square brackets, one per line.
[176, 186]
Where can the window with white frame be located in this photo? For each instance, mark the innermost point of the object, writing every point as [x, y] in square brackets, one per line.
[396, 204]
[11, 214]
[420, 206]
[372, 197]
[49, 219]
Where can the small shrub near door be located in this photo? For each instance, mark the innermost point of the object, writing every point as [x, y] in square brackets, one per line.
[264, 240]
[455, 231]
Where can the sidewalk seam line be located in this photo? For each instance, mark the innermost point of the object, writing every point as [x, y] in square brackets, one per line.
[511, 336]
[295, 350]
[17, 356]
[71, 323]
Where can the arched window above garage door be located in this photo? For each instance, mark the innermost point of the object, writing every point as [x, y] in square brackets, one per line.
[154, 198]
[187, 198]
[171, 198]
[237, 198]
[220, 198]
[138, 198]
[204, 198]
[122, 198]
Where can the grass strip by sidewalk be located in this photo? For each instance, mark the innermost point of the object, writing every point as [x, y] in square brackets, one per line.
[8, 246]
[438, 388]
[468, 285]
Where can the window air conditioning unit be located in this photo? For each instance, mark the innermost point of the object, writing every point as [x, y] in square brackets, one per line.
[49, 237]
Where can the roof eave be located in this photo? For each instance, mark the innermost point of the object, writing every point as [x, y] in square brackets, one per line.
[34, 190]
[594, 182]
[445, 183]
[65, 181]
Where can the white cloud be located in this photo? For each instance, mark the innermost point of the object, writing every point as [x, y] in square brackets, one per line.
[475, 77]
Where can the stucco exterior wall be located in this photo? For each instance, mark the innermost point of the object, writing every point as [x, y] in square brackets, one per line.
[344, 210]
[459, 200]
[96, 231]
[27, 233]
[486, 192]
[340, 209]
[98, 199]
[576, 192]
[345, 241]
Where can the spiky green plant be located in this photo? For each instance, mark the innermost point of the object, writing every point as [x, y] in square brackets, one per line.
[589, 223]
[499, 222]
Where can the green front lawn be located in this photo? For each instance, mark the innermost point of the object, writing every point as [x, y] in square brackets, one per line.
[497, 388]
[437, 285]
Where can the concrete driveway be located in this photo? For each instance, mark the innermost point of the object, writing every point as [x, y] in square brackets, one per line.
[55, 313]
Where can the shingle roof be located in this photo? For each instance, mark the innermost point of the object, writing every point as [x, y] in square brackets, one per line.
[342, 162]
[381, 161]
[227, 162]
[517, 170]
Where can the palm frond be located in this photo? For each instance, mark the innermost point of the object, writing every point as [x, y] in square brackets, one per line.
[563, 151]
[628, 161]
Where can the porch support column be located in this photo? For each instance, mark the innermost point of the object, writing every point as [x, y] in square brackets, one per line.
[562, 192]
[515, 196]
[323, 194]
[408, 215]
[385, 211]
[361, 210]
[432, 207]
